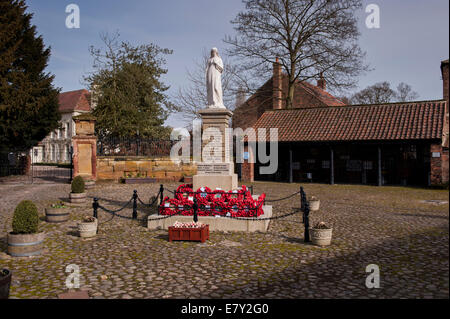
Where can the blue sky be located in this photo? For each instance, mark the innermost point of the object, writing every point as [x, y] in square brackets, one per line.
[412, 39]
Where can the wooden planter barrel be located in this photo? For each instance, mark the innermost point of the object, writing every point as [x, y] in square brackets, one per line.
[5, 283]
[24, 245]
[87, 230]
[190, 234]
[77, 198]
[89, 184]
[56, 215]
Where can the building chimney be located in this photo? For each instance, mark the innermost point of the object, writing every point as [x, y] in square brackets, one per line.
[277, 86]
[445, 130]
[444, 71]
[321, 83]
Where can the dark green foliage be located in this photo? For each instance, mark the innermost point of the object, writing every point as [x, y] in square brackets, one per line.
[28, 100]
[78, 185]
[26, 218]
[127, 90]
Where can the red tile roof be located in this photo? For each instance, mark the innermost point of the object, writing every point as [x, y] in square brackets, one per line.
[393, 121]
[74, 101]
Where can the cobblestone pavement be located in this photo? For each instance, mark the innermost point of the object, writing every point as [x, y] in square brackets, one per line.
[397, 228]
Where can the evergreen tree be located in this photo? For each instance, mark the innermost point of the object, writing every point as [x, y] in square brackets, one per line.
[128, 94]
[28, 100]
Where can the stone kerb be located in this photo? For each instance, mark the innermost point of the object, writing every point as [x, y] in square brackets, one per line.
[216, 223]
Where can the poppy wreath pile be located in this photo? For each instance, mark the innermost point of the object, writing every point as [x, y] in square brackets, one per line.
[236, 203]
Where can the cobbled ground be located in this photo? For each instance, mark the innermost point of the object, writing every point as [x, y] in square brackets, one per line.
[392, 227]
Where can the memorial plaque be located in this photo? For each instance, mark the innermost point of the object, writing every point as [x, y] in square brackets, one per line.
[213, 169]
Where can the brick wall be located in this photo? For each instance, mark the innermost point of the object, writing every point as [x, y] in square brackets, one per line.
[247, 168]
[161, 168]
[436, 164]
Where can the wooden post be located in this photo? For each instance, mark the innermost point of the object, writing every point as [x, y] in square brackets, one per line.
[379, 166]
[290, 164]
[331, 166]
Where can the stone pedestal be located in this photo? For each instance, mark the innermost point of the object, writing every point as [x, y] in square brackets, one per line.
[217, 171]
[85, 147]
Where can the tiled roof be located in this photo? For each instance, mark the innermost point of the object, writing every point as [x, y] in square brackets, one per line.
[393, 121]
[74, 101]
[321, 95]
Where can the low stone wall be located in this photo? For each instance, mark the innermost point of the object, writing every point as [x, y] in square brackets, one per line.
[216, 223]
[161, 168]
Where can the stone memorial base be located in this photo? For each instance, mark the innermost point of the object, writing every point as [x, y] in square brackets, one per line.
[215, 223]
[225, 182]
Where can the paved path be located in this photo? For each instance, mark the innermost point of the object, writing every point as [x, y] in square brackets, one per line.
[388, 226]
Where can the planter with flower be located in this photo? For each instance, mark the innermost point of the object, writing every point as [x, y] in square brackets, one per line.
[321, 234]
[88, 227]
[5, 283]
[57, 213]
[25, 240]
[189, 231]
[78, 194]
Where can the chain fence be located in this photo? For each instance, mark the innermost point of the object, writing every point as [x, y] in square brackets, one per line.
[304, 208]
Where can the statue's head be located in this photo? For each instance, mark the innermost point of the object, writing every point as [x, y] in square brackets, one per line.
[214, 52]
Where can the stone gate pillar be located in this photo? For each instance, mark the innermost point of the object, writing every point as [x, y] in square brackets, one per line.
[85, 147]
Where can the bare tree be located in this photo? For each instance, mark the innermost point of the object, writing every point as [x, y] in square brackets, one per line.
[193, 97]
[382, 93]
[375, 94]
[309, 37]
[405, 93]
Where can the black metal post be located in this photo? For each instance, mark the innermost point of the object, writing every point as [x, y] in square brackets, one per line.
[95, 207]
[135, 204]
[302, 203]
[195, 207]
[251, 189]
[161, 194]
[306, 218]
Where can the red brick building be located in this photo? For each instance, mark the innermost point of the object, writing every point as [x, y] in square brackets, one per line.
[322, 140]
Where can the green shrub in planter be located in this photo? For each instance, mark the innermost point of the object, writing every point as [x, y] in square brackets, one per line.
[26, 218]
[78, 185]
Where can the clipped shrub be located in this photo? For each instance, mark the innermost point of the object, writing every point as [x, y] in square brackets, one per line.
[78, 185]
[26, 218]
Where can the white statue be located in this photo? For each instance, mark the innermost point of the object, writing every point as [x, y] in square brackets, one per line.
[214, 71]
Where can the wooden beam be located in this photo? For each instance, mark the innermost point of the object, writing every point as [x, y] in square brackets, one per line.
[331, 166]
[291, 177]
[380, 183]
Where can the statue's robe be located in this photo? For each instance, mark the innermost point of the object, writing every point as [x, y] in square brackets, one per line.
[214, 83]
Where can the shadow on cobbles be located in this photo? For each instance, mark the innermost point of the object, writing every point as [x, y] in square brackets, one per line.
[415, 266]
[426, 216]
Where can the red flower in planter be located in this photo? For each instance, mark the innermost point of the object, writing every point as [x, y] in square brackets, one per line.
[203, 193]
[184, 191]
